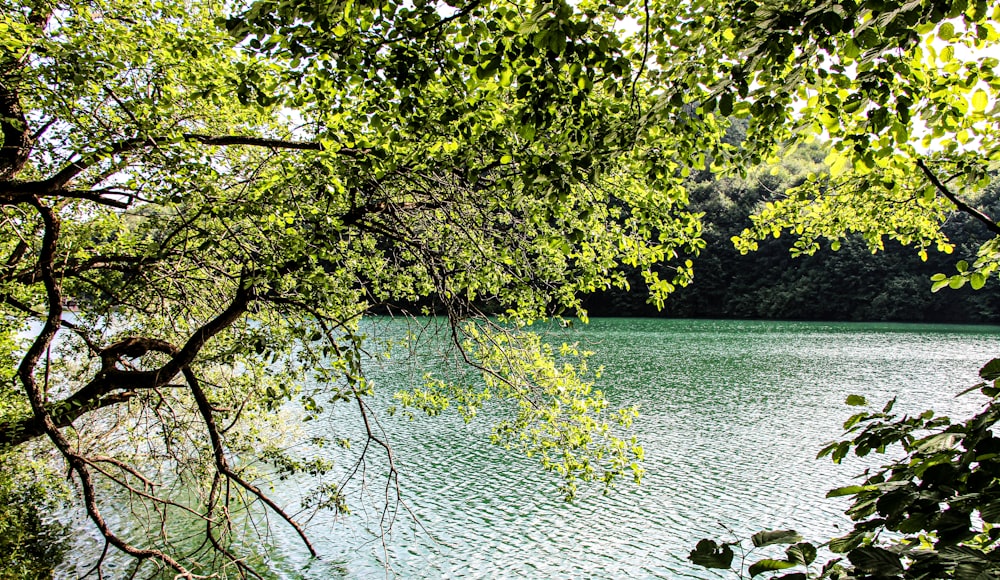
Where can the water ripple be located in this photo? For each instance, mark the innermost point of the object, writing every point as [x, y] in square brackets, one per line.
[733, 414]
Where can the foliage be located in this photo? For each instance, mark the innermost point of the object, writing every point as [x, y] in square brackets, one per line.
[930, 514]
[221, 191]
[940, 499]
[902, 90]
[197, 211]
[854, 283]
[557, 415]
[798, 555]
[31, 546]
[574, 434]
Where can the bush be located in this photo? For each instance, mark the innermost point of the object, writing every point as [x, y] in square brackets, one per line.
[31, 546]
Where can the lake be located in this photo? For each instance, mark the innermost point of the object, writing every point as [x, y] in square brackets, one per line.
[733, 414]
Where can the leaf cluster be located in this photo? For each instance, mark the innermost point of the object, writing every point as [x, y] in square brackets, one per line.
[31, 543]
[941, 498]
[714, 555]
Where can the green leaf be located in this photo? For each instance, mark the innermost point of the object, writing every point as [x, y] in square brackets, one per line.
[708, 554]
[991, 370]
[726, 104]
[854, 420]
[768, 537]
[947, 31]
[937, 443]
[768, 565]
[848, 490]
[847, 543]
[979, 101]
[977, 280]
[873, 560]
[975, 387]
[802, 553]
[938, 285]
[856, 400]
[829, 448]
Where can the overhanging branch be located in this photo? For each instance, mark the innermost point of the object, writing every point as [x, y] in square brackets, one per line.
[13, 191]
[112, 385]
[961, 205]
[14, 433]
[67, 174]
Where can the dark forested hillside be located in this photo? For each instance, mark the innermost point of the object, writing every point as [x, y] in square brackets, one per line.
[849, 284]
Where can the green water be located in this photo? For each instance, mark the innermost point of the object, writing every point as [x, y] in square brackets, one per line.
[733, 414]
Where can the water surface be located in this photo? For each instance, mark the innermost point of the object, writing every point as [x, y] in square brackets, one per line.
[733, 414]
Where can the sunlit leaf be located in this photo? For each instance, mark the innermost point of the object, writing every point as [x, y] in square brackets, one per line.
[856, 400]
[768, 565]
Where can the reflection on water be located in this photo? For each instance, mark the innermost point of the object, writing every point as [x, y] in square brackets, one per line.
[733, 414]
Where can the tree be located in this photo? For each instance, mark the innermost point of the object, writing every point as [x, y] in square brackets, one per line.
[901, 90]
[195, 218]
[218, 199]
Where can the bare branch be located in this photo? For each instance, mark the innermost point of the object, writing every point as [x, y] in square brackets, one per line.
[205, 408]
[74, 267]
[99, 196]
[13, 433]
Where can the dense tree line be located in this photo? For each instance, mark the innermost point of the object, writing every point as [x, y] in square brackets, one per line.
[850, 284]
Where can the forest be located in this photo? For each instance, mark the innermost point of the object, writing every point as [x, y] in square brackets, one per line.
[852, 284]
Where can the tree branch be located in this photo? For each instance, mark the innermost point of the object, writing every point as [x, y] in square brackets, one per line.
[17, 137]
[16, 134]
[67, 174]
[74, 267]
[961, 205]
[99, 196]
[99, 392]
[36, 396]
[222, 465]
[13, 191]
[14, 433]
